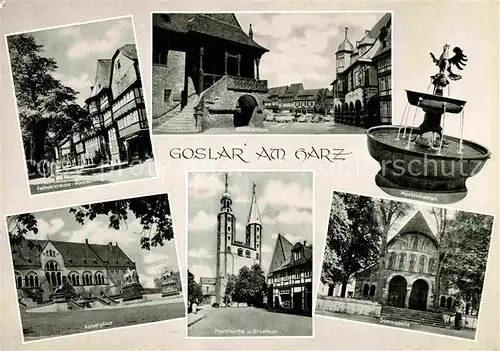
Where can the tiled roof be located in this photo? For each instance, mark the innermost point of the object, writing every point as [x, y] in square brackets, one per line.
[293, 90]
[102, 76]
[111, 255]
[307, 94]
[129, 50]
[417, 224]
[277, 91]
[305, 257]
[219, 25]
[282, 251]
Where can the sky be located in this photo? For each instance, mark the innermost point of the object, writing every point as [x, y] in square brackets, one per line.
[76, 49]
[285, 201]
[60, 225]
[302, 46]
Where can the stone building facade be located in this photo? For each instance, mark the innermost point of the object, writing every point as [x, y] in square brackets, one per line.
[361, 95]
[41, 266]
[410, 272]
[289, 279]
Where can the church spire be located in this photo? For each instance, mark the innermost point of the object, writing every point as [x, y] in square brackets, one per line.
[254, 214]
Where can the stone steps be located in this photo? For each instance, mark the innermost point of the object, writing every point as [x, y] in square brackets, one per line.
[184, 122]
[433, 319]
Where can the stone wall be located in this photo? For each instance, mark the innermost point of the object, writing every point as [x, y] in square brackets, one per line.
[348, 306]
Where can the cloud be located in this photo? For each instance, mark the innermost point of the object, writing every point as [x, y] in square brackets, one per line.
[267, 248]
[286, 195]
[154, 258]
[202, 270]
[202, 221]
[294, 217]
[85, 45]
[49, 228]
[98, 232]
[200, 253]
[204, 185]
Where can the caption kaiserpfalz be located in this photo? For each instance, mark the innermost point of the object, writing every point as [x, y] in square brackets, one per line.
[264, 154]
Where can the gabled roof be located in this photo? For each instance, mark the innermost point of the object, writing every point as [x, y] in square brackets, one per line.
[129, 50]
[417, 224]
[102, 77]
[277, 91]
[219, 25]
[208, 281]
[282, 251]
[292, 90]
[290, 261]
[73, 254]
[307, 94]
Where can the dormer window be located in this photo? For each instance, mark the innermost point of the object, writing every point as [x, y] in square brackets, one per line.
[70, 260]
[118, 65]
[296, 255]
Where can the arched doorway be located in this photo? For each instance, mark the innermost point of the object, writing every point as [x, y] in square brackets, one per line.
[245, 106]
[418, 295]
[357, 108]
[397, 292]
[372, 112]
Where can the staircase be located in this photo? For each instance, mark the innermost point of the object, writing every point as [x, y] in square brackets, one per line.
[184, 122]
[432, 319]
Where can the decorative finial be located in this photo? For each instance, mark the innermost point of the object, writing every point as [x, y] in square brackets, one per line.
[250, 32]
[253, 188]
[225, 187]
[346, 29]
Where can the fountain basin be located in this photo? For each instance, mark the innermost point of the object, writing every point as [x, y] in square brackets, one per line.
[430, 102]
[421, 169]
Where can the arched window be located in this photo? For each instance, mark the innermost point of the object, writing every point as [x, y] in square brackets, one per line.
[51, 266]
[247, 253]
[26, 282]
[402, 262]
[37, 283]
[414, 243]
[421, 264]
[366, 290]
[99, 278]
[53, 279]
[229, 249]
[257, 256]
[372, 291]
[229, 238]
[59, 280]
[19, 280]
[432, 266]
[240, 252]
[73, 278]
[392, 260]
[32, 281]
[413, 261]
[442, 301]
[87, 278]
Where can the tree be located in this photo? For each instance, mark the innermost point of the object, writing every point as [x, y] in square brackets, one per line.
[388, 213]
[322, 105]
[352, 240]
[467, 254]
[45, 105]
[232, 280]
[338, 231]
[194, 290]
[153, 213]
[256, 284]
[242, 289]
[443, 238]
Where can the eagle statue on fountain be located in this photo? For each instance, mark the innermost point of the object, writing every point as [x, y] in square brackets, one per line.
[445, 62]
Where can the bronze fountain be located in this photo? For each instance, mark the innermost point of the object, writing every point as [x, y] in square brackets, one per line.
[422, 162]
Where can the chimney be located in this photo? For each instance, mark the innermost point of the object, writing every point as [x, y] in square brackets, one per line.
[305, 243]
[250, 32]
[367, 32]
[110, 245]
[86, 241]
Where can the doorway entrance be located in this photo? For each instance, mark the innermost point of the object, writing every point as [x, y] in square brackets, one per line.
[418, 295]
[397, 292]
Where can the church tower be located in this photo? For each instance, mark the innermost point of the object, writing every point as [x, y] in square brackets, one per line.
[254, 228]
[225, 236]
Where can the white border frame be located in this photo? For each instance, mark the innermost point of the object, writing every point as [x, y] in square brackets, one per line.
[46, 338]
[416, 204]
[180, 135]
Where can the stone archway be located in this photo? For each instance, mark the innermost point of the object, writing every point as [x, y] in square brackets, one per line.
[397, 292]
[245, 106]
[418, 295]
